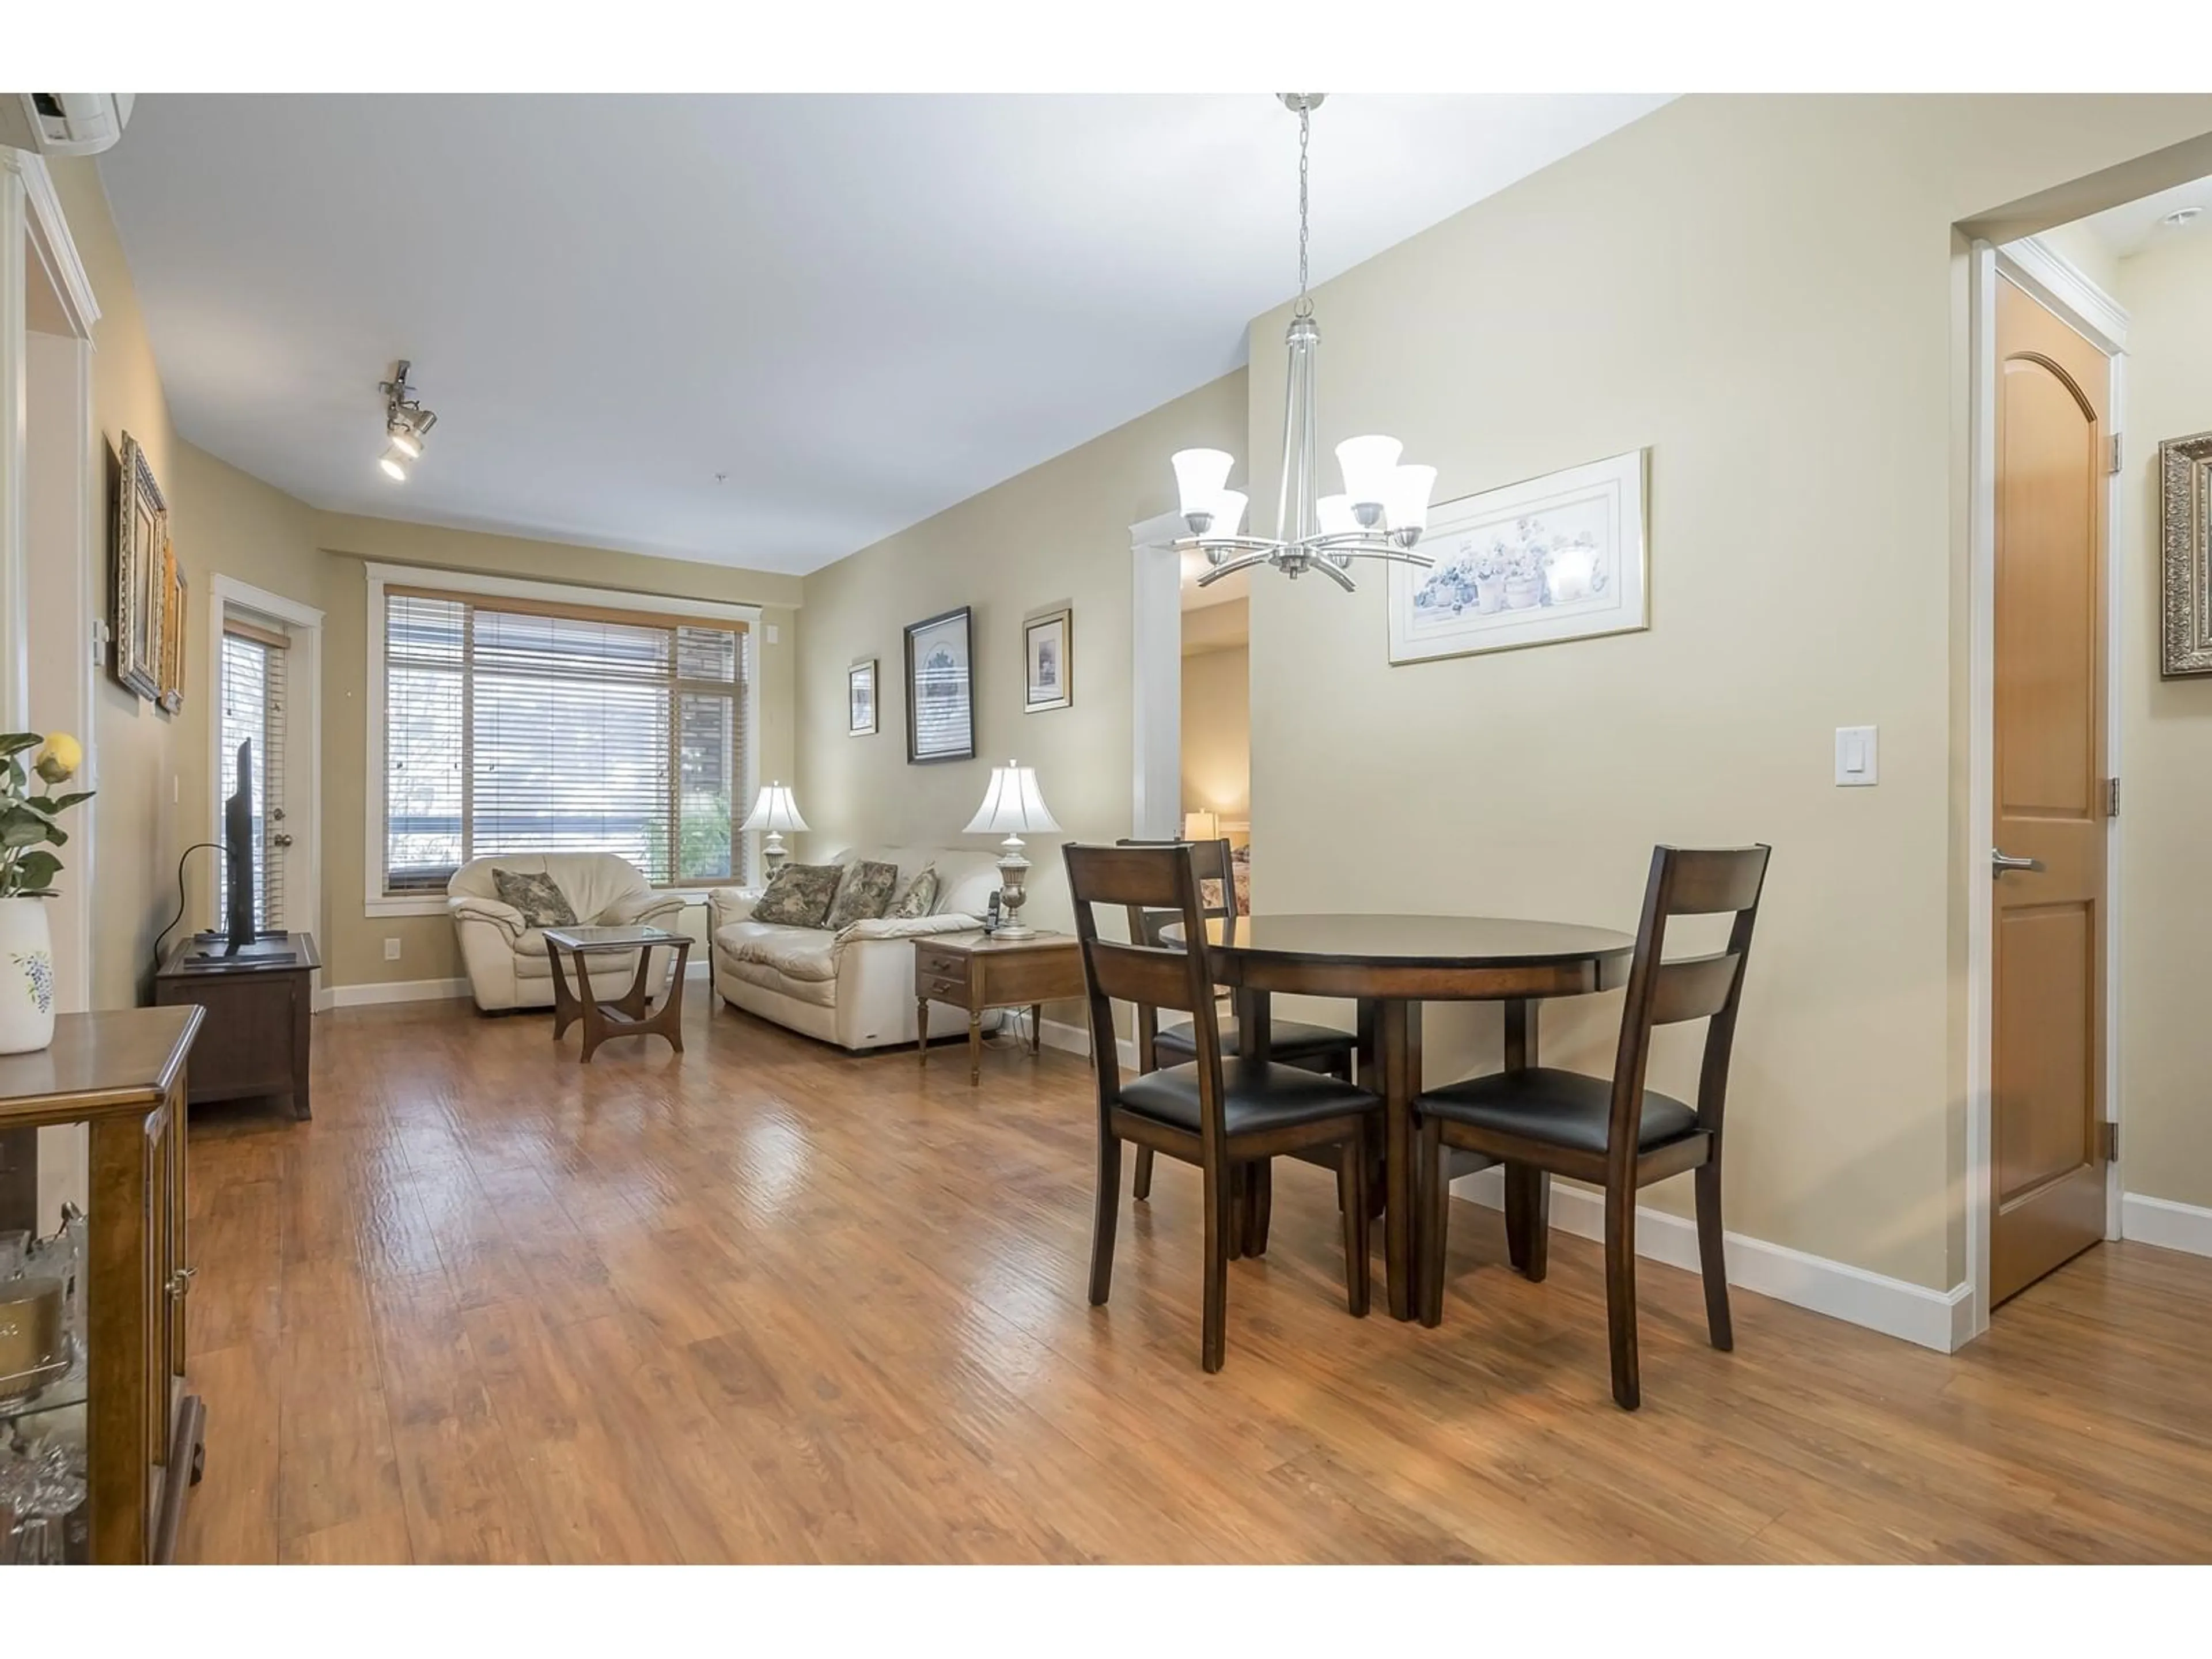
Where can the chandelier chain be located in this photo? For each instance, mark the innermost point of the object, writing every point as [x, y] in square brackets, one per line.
[1305, 134]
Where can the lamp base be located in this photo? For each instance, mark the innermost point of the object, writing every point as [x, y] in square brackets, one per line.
[1014, 876]
[773, 853]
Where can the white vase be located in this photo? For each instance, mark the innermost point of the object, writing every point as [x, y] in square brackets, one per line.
[26, 977]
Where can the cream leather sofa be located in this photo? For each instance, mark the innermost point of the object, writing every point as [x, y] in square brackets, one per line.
[854, 988]
[506, 960]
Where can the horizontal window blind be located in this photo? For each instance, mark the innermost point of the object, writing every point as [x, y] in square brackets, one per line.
[517, 727]
[252, 695]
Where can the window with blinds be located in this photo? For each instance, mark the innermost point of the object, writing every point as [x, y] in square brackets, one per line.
[516, 727]
[252, 695]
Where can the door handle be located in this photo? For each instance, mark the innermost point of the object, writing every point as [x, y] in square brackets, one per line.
[2000, 862]
[280, 839]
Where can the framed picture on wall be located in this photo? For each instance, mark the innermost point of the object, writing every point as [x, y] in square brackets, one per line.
[860, 699]
[1047, 646]
[1558, 557]
[940, 689]
[2184, 471]
[173, 630]
[141, 531]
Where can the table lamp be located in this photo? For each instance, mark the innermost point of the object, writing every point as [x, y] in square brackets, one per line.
[1013, 804]
[775, 811]
[1201, 825]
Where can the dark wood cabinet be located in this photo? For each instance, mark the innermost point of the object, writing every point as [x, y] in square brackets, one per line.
[260, 1024]
[122, 1075]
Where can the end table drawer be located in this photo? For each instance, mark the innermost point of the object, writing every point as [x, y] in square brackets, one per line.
[941, 982]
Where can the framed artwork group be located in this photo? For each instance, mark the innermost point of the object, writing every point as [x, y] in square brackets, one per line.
[941, 681]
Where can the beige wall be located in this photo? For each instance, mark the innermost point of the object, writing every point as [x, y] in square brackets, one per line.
[1766, 292]
[133, 818]
[1058, 534]
[1217, 732]
[2165, 749]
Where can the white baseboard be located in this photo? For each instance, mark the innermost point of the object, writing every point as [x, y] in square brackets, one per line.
[396, 990]
[1076, 1040]
[1934, 1319]
[2169, 1225]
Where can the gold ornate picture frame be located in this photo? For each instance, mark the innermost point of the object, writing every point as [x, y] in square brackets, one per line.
[2184, 493]
[141, 531]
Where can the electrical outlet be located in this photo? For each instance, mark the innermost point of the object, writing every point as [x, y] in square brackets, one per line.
[391, 950]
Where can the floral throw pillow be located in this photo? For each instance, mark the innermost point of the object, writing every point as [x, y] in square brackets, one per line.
[539, 899]
[864, 894]
[918, 899]
[800, 896]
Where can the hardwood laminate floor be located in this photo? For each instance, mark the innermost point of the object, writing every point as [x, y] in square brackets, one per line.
[768, 1302]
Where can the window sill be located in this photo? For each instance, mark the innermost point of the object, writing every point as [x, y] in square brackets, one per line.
[430, 904]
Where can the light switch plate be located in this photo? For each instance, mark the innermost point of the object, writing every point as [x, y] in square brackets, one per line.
[1857, 756]
[774, 634]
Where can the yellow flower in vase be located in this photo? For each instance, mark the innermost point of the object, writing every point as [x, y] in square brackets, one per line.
[58, 758]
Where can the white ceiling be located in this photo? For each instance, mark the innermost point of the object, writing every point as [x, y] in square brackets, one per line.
[861, 309]
[2133, 227]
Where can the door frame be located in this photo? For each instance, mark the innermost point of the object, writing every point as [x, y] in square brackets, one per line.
[2096, 315]
[303, 728]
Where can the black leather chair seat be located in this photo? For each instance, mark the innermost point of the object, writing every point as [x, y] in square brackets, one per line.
[1567, 1109]
[1287, 1039]
[1254, 1099]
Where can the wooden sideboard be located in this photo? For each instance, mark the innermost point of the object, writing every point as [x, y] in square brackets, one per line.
[260, 1029]
[121, 1074]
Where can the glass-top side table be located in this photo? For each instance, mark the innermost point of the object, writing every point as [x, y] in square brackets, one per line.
[632, 1013]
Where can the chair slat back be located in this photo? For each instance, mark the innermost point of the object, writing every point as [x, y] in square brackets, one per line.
[1684, 882]
[1215, 863]
[1150, 976]
[1695, 987]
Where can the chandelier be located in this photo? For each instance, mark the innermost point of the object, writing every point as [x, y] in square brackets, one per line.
[1384, 506]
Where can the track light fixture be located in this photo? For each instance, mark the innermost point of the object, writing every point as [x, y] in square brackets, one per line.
[406, 423]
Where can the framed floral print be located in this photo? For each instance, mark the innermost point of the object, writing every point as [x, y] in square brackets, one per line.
[860, 699]
[940, 689]
[1558, 557]
[1048, 648]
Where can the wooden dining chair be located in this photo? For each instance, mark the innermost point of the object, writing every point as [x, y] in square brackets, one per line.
[1618, 1135]
[1203, 1112]
[1294, 1042]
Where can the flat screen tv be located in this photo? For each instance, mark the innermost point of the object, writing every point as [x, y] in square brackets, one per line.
[238, 853]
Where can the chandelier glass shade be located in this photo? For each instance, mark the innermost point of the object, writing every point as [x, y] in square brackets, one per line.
[1383, 507]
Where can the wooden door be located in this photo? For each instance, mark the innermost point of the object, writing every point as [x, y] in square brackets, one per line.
[2047, 1146]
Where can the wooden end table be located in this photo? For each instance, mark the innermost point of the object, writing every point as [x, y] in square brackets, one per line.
[978, 970]
[627, 1015]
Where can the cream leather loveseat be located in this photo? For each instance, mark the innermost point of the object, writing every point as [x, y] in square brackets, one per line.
[506, 957]
[854, 988]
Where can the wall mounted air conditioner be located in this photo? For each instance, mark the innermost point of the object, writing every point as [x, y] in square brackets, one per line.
[63, 123]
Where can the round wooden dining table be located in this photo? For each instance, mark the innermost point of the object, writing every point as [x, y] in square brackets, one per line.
[1389, 966]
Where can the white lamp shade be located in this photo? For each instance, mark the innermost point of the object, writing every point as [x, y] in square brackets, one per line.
[774, 809]
[1228, 512]
[1201, 825]
[1200, 475]
[1014, 805]
[1406, 500]
[1336, 515]
[1368, 463]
